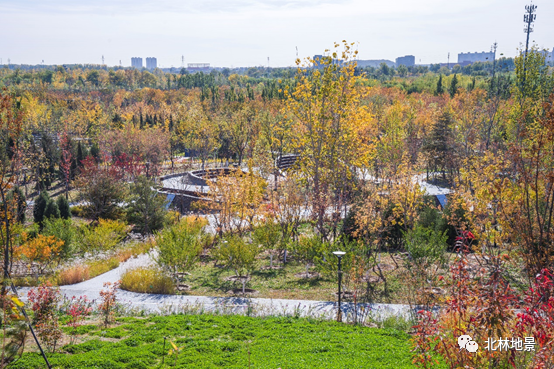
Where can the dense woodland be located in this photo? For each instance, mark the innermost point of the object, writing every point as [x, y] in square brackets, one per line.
[366, 139]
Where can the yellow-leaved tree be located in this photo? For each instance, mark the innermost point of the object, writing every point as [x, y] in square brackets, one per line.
[328, 115]
[236, 200]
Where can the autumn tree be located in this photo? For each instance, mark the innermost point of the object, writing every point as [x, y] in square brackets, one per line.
[135, 151]
[236, 199]
[275, 134]
[101, 187]
[42, 249]
[508, 194]
[328, 115]
[17, 197]
[385, 212]
[198, 132]
[238, 126]
[11, 127]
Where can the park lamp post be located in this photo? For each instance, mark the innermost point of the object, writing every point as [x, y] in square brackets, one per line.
[339, 255]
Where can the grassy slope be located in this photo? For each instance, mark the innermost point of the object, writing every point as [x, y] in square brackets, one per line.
[221, 342]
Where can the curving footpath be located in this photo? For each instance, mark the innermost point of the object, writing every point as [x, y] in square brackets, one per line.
[167, 304]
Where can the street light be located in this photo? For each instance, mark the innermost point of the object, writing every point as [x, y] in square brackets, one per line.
[339, 255]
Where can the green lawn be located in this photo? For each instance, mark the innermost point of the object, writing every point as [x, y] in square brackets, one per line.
[223, 342]
[207, 280]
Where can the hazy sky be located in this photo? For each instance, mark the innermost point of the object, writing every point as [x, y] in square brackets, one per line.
[247, 32]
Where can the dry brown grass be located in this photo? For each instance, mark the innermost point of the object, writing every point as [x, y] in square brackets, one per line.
[147, 280]
[102, 266]
[135, 249]
[75, 274]
[124, 255]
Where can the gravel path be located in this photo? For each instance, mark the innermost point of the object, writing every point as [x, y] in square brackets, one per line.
[166, 304]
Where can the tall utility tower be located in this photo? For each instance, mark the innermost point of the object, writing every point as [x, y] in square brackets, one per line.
[102, 59]
[529, 18]
[182, 61]
[493, 49]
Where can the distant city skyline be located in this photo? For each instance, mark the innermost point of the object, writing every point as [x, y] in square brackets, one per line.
[245, 33]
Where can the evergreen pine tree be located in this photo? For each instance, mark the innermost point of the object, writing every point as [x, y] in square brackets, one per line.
[437, 145]
[52, 210]
[440, 90]
[95, 151]
[146, 209]
[63, 206]
[80, 155]
[52, 157]
[453, 86]
[40, 206]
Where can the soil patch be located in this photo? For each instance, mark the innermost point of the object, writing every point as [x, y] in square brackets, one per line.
[247, 292]
[345, 294]
[373, 279]
[181, 287]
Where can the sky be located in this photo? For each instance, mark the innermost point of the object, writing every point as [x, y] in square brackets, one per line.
[244, 33]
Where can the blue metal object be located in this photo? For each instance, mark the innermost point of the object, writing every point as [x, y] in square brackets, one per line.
[169, 200]
[442, 199]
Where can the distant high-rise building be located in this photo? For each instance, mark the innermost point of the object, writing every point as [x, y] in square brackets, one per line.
[198, 67]
[374, 63]
[151, 63]
[408, 61]
[136, 63]
[476, 57]
[319, 61]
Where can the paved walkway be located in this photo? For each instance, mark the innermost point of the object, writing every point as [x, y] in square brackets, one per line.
[167, 304]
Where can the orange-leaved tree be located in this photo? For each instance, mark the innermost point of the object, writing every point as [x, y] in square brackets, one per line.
[42, 250]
